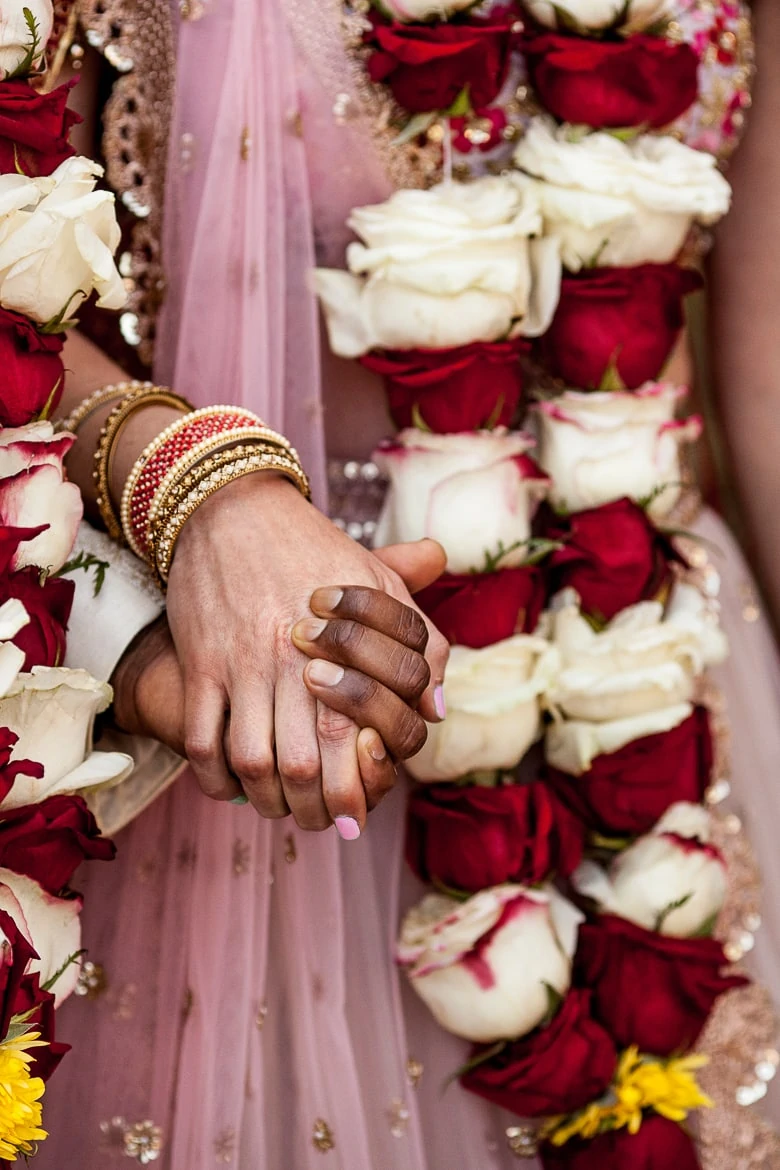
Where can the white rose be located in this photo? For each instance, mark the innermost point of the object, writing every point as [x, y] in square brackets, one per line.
[484, 966]
[598, 447]
[571, 745]
[672, 881]
[630, 16]
[493, 709]
[52, 710]
[610, 202]
[408, 11]
[474, 493]
[13, 619]
[20, 48]
[442, 268]
[58, 236]
[51, 925]
[637, 664]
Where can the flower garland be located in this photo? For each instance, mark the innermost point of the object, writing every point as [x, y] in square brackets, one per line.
[571, 936]
[57, 239]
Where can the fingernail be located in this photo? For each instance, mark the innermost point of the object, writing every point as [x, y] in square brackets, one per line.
[329, 599]
[325, 674]
[438, 701]
[240, 799]
[377, 749]
[347, 828]
[309, 629]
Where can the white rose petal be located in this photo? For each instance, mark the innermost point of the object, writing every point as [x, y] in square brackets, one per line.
[407, 11]
[631, 17]
[53, 710]
[609, 202]
[51, 925]
[599, 447]
[474, 493]
[40, 497]
[571, 745]
[493, 709]
[442, 268]
[670, 881]
[15, 35]
[484, 966]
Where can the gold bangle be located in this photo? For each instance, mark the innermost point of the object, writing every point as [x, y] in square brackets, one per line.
[98, 398]
[142, 394]
[165, 544]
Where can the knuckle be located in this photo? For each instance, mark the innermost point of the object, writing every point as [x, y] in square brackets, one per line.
[334, 728]
[411, 629]
[301, 771]
[200, 750]
[254, 767]
[412, 734]
[417, 675]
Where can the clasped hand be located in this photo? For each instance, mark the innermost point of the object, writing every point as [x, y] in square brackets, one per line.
[305, 715]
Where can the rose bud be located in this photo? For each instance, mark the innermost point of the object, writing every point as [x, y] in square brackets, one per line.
[644, 81]
[627, 16]
[52, 711]
[600, 447]
[452, 390]
[659, 1144]
[50, 925]
[562, 1066]
[485, 967]
[612, 557]
[475, 837]
[33, 373]
[480, 609]
[620, 777]
[641, 661]
[650, 990]
[441, 269]
[428, 66]
[623, 321]
[672, 880]
[34, 128]
[618, 204]
[474, 493]
[48, 842]
[15, 34]
[493, 700]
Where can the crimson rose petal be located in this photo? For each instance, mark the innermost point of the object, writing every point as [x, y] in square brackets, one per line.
[32, 998]
[48, 605]
[651, 990]
[33, 373]
[480, 609]
[556, 1069]
[34, 129]
[9, 771]
[49, 841]
[15, 955]
[660, 1144]
[642, 81]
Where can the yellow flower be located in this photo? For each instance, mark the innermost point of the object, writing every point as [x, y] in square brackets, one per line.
[641, 1083]
[20, 1098]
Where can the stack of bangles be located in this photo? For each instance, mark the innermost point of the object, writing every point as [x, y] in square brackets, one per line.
[185, 464]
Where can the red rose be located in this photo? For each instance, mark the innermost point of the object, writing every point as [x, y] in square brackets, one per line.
[48, 606]
[49, 841]
[428, 66]
[454, 390]
[33, 373]
[660, 1144]
[643, 81]
[15, 955]
[480, 609]
[9, 771]
[626, 319]
[34, 128]
[472, 838]
[650, 990]
[627, 791]
[32, 998]
[11, 538]
[613, 556]
[556, 1069]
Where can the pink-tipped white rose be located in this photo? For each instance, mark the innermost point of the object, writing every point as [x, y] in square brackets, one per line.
[672, 881]
[486, 967]
[599, 447]
[51, 925]
[630, 16]
[34, 493]
[474, 493]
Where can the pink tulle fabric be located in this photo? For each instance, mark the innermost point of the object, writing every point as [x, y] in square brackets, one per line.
[252, 1011]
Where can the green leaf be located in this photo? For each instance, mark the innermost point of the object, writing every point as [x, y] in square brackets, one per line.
[611, 382]
[707, 928]
[418, 421]
[461, 107]
[569, 23]
[628, 133]
[414, 128]
[610, 844]
[554, 1001]
[596, 257]
[50, 401]
[25, 66]
[475, 1062]
[662, 917]
[495, 414]
[62, 321]
[87, 561]
[450, 891]
[74, 958]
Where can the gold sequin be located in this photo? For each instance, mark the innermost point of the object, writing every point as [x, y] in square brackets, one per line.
[246, 143]
[322, 1136]
[414, 1071]
[242, 855]
[92, 980]
[140, 1140]
[225, 1146]
[398, 1116]
[262, 1012]
[521, 1140]
[192, 10]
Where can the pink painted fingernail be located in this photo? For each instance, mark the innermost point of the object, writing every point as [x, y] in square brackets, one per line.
[438, 701]
[347, 828]
[324, 673]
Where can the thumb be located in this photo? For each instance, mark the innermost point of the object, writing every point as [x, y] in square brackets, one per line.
[417, 563]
